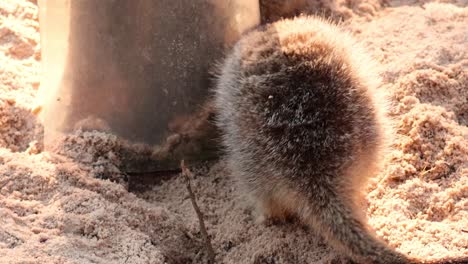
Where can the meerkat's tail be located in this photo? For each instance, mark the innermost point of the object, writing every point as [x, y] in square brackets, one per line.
[460, 260]
[349, 234]
[345, 231]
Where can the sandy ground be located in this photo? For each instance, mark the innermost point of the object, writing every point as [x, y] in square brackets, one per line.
[60, 208]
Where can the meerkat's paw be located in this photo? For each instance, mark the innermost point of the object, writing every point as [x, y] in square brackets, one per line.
[260, 219]
[269, 213]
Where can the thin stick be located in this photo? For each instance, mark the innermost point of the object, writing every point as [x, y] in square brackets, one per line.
[187, 174]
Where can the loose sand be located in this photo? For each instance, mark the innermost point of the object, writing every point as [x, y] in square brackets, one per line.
[62, 208]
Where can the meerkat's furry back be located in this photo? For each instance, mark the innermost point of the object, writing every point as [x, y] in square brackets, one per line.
[303, 75]
[304, 126]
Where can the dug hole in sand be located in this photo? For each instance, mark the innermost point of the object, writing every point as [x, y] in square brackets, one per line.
[62, 207]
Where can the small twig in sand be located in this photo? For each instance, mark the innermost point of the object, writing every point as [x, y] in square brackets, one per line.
[187, 174]
[464, 230]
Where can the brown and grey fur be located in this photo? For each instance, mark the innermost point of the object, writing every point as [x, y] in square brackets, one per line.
[304, 127]
[273, 10]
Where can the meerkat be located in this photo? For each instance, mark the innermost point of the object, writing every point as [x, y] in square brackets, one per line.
[304, 126]
[273, 10]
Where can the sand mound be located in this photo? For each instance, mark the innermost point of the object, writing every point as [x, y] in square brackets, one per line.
[72, 206]
[53, 211]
